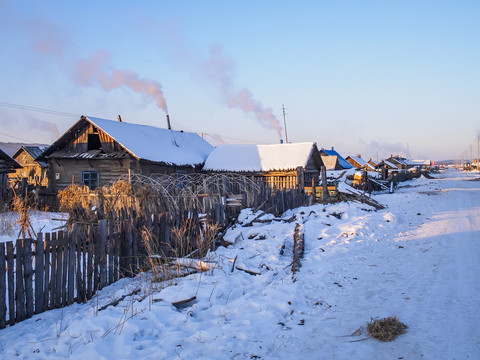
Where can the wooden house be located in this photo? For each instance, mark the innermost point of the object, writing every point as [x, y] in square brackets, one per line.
[333, 160]
[7, 165]
[96, 151]
[398, 161]
[34, 172]
[373, 163]
[293, 165]
[358, 163]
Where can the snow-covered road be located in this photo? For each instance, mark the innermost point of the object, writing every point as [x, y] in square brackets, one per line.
[419, 260]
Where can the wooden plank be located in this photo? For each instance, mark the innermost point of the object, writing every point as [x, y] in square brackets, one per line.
[66, 254]
[59, 284]
[71, 265]
[79, 285]
[85, 262]
[11, 283]
[96, 259]
[128, 249]
[89, 285]
[39, 274]
[102, 253]
[135, 241]
[3, 288]
[19, 288]
[118, 261]
[110, 247]
[46, 282]
[28, 276]
[53, 271]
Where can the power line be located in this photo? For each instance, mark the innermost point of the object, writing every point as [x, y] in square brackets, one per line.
[40, 110]
[24, 140]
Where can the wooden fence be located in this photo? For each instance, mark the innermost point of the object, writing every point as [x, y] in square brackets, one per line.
[58, 269]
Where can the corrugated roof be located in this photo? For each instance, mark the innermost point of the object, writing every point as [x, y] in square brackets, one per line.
[257, 158]
[34, 151]
[341, 161]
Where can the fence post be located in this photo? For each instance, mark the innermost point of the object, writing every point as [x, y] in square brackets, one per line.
[27, 261]
[71, 265]
[20, 290]
[39, 273]
[11, 283]
[102, 253]
[324, 185]
[3, 289]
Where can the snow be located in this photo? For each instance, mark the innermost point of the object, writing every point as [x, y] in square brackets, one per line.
[156, 144]
[40, 221]
[259, 157]
[418, 259]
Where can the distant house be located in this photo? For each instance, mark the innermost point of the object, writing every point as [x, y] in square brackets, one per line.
[373, 163]
[96, 151]
[333, 160]
[34, 172]
[358, 163]
[293, 165]
[7, 165]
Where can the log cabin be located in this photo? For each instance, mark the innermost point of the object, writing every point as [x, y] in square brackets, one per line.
[33, 171]
[7, 165]
[95, 152]
[282, 166]
[358, 163]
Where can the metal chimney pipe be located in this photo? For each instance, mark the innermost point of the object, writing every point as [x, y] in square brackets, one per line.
[168, 122]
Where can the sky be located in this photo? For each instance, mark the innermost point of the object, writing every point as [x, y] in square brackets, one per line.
[367, 77]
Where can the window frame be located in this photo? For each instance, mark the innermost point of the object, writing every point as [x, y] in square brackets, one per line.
[88, 182]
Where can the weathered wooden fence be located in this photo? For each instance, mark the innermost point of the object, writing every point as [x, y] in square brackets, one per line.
[58, 269]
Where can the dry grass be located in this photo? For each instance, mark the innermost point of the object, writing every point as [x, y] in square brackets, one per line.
[184, 255]
[386, 329]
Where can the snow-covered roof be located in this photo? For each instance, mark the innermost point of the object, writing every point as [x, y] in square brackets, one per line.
[388, 163]
[151, 143]
[341, 161]
[247, 158]
[362, 162]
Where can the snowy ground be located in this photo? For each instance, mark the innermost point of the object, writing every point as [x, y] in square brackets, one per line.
[419, 260]
[40, 222]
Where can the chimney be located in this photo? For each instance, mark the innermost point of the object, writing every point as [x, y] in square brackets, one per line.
[119, 118]
[168, 122]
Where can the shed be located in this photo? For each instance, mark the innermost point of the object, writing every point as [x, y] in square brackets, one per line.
[333, 160]
[34, 172]
[293, 165]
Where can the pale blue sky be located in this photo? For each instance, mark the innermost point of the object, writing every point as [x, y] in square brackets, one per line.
[369, 77]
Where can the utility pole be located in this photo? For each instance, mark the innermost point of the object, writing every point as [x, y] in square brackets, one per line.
[285, 124]
[471, 155]
[478, 151]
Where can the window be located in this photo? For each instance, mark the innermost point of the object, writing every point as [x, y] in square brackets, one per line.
[94, 142]
[90, 179]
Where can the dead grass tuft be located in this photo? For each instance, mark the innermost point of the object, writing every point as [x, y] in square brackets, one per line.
[386, 329]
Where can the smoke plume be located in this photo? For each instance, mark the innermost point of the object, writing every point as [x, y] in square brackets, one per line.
[98, 68]
[43, 125]
[219, 70]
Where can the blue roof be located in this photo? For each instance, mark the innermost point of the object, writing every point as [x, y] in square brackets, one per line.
[341, 161]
